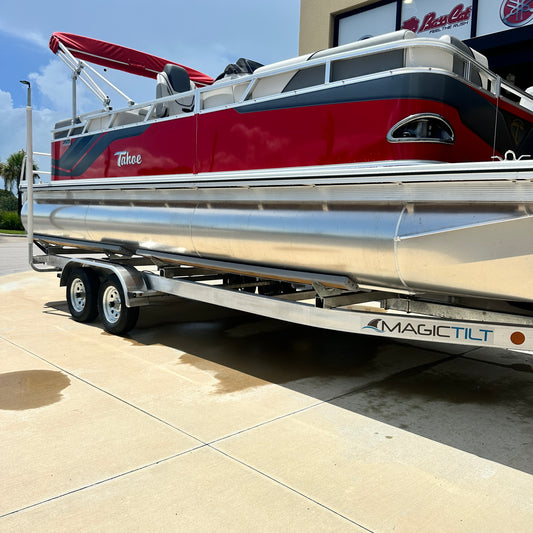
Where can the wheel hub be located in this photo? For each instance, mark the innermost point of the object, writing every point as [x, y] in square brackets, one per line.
[78, 296]
[112, 304]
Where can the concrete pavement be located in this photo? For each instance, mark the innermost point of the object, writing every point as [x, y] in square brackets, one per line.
[205, 420]
[13, 254]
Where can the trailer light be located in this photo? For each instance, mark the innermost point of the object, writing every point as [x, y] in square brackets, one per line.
[424, 127]
[518, 338]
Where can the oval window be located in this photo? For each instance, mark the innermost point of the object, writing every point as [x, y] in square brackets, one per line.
[425, 127]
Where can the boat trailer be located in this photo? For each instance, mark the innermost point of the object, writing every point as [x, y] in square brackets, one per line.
[114, 284]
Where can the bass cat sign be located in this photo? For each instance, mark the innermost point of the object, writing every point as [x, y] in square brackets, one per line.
[431, 17]
[433, 22]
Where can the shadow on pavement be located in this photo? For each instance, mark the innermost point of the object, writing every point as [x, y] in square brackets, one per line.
[478, 401]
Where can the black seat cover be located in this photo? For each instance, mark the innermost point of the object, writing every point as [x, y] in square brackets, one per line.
[178, 78]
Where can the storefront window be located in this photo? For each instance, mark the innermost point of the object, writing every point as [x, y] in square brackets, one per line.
[367, 23]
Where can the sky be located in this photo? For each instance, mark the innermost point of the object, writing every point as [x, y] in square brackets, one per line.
[203, 34]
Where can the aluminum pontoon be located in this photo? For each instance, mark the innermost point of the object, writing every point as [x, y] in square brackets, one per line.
[392, 169]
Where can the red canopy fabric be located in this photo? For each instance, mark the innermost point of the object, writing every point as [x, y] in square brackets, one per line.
[119, 57]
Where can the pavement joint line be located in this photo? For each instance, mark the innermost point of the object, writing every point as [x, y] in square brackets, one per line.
[266, 422]
[316, 502]
[434, 349]
[210, 445]
[515, 367]
[202, 445]
[114, 396]
[101, 481]
[408, 372]
[361, 388]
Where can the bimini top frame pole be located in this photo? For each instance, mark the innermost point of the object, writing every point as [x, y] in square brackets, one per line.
[75, 51]
[79, 71]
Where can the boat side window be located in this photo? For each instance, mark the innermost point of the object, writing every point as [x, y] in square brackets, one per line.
[360, 66]
[307, 77]
[423, 127]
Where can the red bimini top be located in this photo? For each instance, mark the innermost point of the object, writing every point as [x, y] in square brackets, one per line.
[119, 57]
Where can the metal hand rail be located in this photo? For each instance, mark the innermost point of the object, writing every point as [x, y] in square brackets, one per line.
[30, 173]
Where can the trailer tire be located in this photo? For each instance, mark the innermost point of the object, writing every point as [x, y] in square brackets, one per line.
[116, 317]
[82, 294]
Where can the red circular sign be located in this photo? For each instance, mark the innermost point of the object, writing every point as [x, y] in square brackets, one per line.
[516, 12]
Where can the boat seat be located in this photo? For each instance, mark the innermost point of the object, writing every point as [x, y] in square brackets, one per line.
[126, 117]
[433, 57]
[229, 94]
[97, 124]
[174, 80]
[226, 95]
[218, 97]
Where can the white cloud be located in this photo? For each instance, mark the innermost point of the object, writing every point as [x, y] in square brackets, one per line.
[32, 37]
[5, 100]
[54, 86]
[13, 131]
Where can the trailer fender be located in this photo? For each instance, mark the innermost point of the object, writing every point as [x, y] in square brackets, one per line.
[132, 280]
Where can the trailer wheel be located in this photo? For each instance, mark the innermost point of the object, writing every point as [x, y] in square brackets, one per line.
[82, 293]
[116, 317]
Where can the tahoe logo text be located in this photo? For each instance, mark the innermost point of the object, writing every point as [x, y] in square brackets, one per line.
[125, 159]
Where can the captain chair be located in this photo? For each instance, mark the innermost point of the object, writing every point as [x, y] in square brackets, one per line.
[173, 80]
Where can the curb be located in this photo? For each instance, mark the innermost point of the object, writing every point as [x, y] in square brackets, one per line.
[17, 235]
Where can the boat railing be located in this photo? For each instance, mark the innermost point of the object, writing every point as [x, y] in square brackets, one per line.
[351, 65]
[308, 73]
[36, 172]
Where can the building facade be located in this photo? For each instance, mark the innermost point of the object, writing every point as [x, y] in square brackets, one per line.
[502, 30]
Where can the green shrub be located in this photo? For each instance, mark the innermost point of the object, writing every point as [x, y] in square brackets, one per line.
[8, 201]
[10, 220]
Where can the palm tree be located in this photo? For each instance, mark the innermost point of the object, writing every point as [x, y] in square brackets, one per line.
[10, 171]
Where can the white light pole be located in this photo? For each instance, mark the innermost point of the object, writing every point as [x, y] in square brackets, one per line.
[29, 172]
